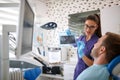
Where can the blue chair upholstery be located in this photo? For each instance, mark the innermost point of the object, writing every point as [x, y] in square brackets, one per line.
[114, 68]
[32, 74]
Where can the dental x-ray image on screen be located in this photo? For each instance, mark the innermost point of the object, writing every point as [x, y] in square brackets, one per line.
[67, 39]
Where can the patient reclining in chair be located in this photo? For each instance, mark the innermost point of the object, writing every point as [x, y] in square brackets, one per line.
[104, 52]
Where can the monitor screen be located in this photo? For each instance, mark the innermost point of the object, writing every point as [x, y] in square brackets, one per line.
[25, 29]
[67, 39]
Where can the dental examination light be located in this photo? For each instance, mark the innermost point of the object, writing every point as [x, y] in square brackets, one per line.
[49, 26]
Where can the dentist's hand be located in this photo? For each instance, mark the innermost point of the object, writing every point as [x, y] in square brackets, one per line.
[68, 32]
[81, 46]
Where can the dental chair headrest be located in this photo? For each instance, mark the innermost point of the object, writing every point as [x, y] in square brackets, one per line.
[114, 68]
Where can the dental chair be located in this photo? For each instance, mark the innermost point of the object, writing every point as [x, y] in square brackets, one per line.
[32, 74]
[114, 68]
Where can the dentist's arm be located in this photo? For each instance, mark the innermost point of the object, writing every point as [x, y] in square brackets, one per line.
[81, 46]
[87, 61]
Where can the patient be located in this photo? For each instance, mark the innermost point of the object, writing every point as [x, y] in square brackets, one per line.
[107, 48]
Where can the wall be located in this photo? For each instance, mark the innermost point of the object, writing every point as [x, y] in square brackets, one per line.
[58, 11]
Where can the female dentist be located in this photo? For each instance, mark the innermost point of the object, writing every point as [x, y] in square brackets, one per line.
[92, 32]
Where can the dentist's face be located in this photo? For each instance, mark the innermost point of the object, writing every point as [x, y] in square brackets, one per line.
[90, 27]
[98, 48]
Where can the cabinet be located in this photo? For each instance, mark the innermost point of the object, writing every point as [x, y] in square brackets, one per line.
[110, 19]
[69, 71]
[51, 77]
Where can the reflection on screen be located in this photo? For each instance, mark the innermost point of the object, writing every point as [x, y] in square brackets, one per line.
[28, 25]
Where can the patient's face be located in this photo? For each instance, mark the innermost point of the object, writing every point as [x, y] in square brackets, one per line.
[96, 51]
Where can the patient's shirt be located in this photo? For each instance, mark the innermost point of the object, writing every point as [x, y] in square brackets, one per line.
[95, 72]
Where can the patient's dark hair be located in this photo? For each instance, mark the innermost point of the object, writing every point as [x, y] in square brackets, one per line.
[112, 45]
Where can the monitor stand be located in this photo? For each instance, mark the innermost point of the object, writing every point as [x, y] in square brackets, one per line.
[4, 51]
